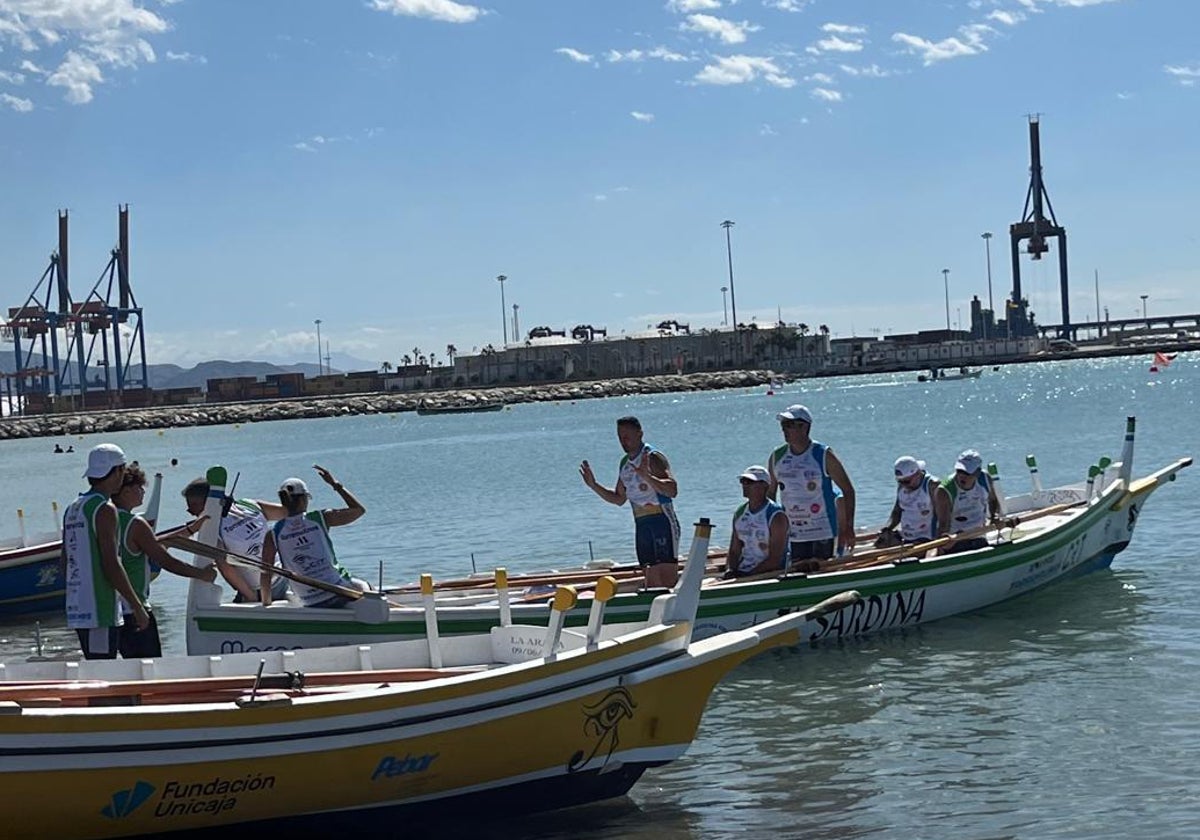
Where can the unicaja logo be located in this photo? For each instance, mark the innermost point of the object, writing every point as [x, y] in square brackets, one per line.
[125, 802]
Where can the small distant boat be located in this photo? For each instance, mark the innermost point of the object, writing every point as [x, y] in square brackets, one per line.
[424, 407]
[939, 375]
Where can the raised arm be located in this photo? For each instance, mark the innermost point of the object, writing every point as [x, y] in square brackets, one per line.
[616, 496]
[340, 516]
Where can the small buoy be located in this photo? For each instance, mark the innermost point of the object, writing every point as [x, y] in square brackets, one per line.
[174, 462]
[237, 425]
[160, 432]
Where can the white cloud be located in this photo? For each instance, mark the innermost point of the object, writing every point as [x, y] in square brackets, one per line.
[642, 116]
[767, 131]
[96, 34]
[574, 55]
[786, 5]
[844, 29]
[12, 78]
[827, 95]
[741, 69]
[873, 71]
[660, 53]
[728, 31]
[932, 52]
[820, 78]
[446, 11]
[688, 6]
[836, 44]
[20, 105]
[186, 57]
[78, 74]
[1006, 17]
[1186, 75]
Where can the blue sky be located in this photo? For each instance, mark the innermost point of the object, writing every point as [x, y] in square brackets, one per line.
[376, 163]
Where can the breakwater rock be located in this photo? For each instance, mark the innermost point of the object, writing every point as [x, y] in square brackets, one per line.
[217, 414]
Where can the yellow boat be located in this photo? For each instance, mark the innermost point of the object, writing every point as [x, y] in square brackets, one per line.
[337, 737]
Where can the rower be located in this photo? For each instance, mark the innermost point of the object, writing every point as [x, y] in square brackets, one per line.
[966, 501]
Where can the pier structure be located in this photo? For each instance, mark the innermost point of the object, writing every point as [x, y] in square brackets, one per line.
[1037, 225]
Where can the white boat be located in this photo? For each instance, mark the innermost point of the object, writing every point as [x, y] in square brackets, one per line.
[1049, 535]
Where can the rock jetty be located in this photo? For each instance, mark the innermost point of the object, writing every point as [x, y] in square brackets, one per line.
[217, 414]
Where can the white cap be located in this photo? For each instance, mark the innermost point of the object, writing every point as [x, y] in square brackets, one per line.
[756, 473]
[102, 459]
[796, 412]
[907, 466]
[969, 462]
[295, 487]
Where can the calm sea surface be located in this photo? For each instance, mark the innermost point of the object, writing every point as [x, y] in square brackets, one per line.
[1068, 713]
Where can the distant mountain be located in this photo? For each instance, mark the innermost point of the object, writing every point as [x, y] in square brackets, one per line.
[173, 376]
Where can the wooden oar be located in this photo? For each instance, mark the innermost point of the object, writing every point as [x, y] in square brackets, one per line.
[886, 555]
[539, 578]
[212, 552]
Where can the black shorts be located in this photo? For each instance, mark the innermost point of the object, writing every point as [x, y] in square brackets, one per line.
[655, 540]
[812, 550]
[139, 644]
[99, 642]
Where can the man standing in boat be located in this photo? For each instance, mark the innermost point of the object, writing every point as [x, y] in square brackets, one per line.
[243, 529]
[302, 544]
[803, 475]
[96, 580]
[141, 555]
[965, 501]
[759, 542]
[914, 510]
[645, 479]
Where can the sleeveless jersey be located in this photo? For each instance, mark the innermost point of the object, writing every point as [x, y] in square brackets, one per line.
[754, 530]
[137, 564]
[643, 498]
[91, 600]
[304, 547]
[968, 508]
[917, 519]
[242, 532]
[806, 492]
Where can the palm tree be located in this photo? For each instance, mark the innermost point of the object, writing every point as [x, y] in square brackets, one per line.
[824, 328]
[803, 329]
[432, 359]
[416, 352]
[451, 351]
[386, 367]
[407, 360]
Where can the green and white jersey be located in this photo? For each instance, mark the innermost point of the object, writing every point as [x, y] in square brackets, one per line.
[137, 564]
[304, 547]
[968, 508]
[91, 600]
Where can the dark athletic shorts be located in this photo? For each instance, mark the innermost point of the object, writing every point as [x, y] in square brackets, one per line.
[139, 644]
[654, 536]
[812, 550]
[99, 642]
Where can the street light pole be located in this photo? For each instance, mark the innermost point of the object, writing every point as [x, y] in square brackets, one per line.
[1143, 297]
[729, 252]
[320, 363]
[724, 306]
[987, 245]
[946, 281]
[503, 309]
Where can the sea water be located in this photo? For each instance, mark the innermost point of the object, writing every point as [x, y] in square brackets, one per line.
[1066, 713]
